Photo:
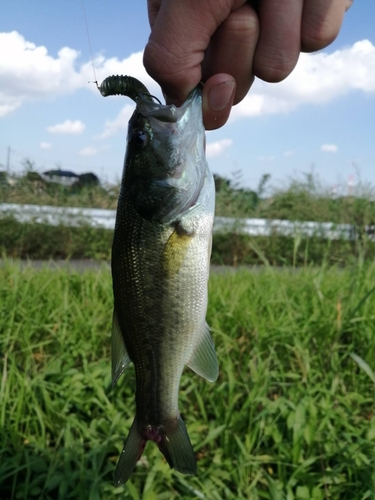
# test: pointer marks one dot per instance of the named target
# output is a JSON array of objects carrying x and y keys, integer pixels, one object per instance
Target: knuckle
[
  {"x": 317, "y": 32},
  {"x": 242, "y": 23},
  {"x": 274, "y": 67}
]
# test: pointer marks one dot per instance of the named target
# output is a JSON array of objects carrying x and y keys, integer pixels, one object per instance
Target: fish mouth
[
  {"x": 180, "y": 127},
  {"x": 168, "y": 113}
]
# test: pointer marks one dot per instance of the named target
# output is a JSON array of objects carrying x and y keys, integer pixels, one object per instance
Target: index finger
[{"x": 181, "y": 32}]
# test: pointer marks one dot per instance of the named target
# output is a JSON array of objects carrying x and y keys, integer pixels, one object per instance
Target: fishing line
[{"x": 88, "y": 38}]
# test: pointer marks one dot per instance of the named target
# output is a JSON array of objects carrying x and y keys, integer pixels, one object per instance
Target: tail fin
[
  {"x": 133, "y": 448},
  {"x": 177, "y": 449},
  {"x": 173, "y": 441}
]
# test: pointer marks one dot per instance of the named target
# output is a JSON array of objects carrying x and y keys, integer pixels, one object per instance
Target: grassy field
[{"x": 292, "y": 415}]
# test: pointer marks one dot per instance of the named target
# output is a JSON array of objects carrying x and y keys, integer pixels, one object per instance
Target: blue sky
[{"x": 322, "y": 117}]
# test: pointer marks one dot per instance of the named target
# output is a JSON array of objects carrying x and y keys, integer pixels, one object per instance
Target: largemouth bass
[{"x": 160, "y": 267}]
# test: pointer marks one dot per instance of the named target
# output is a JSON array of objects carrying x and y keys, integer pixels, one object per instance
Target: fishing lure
[{"x": 124, "y": 85}]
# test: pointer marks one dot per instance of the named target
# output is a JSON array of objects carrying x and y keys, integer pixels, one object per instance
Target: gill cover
[{"x": 163, "y": 165}]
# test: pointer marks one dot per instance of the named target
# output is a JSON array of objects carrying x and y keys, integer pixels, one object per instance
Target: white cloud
[
  {"x": 266, "y": 158},
  {"x": 67, "y": 127},
  {"x": 288, "y": 153},
  {"x": 111, "y": 127},
  {"x": 218, "y": 147},
  {"x": 6, "y": 108},
  {"x": 317, "y": 78},
  {"x": 45, "y": 145},
  {"x": 329, "y": 148},
  {"x": 28, "y": 72},
  {"x": 88, "y": 151}
]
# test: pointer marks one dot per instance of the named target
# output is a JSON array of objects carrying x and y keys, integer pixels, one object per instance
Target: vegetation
[
  {"x": 31, "y": 188},
  {"x": 291, "y": 417},
  {"x": 302, "y": 200},
  {"x": 42, "y": 241}
]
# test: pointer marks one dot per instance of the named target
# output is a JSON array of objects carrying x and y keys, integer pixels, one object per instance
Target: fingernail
[{"x": 220, "y": 95}]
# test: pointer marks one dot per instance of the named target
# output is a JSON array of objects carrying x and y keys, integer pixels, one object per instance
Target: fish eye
[{"x": 140, "y": 138}]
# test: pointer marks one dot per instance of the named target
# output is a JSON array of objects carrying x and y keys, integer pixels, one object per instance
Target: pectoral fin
[
  {"x": 204, "y": 360},
  {"x": 119, "y": 354},
  {"x": 175, "y": 251},
  {"x": 178, "y": 243}
]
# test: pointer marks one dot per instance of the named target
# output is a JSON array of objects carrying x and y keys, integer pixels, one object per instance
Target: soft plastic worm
[{"x": 124, "y": 85}]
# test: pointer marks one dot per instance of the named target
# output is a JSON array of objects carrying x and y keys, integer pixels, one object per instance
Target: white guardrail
[{"x": 254, "y": 227}]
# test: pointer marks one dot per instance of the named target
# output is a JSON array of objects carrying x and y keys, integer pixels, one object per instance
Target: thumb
[{"x": 218, "y": 95}]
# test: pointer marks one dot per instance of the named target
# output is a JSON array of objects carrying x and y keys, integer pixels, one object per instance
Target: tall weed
[{"x": 292, "y": 415}]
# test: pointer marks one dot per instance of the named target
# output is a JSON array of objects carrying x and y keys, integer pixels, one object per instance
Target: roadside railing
[{"x": 95, "y": 217}]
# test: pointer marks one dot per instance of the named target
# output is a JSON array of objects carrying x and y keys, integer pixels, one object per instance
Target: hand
[{"x": 226, "y": 43}]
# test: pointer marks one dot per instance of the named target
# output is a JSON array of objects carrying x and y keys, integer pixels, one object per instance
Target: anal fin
[
  {"x": 119, "y": 354},
  {"x": 204, "y": 360}
]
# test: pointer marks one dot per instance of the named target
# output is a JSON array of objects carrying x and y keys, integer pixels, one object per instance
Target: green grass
[
  {"x": 42, "y": 241},
  {"x": 292, "y": 415}
]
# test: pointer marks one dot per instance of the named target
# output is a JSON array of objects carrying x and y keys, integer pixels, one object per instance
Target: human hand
[{"x": 226, "y": 43}]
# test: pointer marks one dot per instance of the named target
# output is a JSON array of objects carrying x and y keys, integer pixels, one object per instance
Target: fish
[{"x": 160, "y": 269}]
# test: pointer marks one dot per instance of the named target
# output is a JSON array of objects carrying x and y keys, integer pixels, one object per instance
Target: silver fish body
[{"x": 160, "y": 268}]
